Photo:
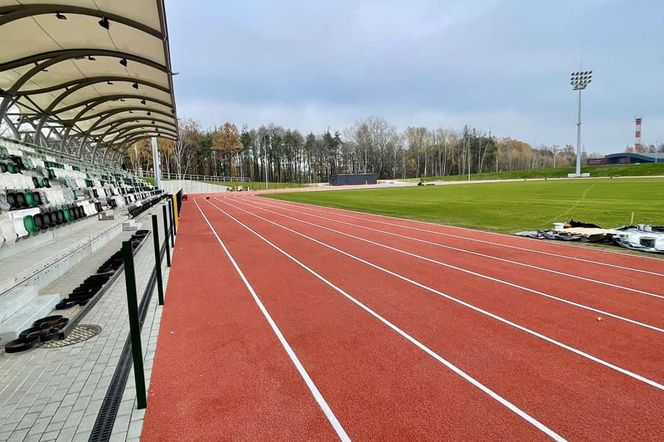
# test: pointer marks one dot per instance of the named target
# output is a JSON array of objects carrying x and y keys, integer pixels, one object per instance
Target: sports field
[
  {"x": 507, "y": 207},
  {"x": 613, "y": 170},
  {"x": 285, "y": 321}
]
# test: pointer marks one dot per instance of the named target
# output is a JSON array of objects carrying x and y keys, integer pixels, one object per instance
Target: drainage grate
[
  {"x": 78, "y": 334},
  {"x": 108, "y": 412}
]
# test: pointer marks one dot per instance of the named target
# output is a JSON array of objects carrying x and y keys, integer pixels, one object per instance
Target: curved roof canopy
[{"x": 98, "y": 71}]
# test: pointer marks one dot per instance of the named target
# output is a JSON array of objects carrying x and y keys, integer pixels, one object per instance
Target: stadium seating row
[{"x": 41, "y": 190}]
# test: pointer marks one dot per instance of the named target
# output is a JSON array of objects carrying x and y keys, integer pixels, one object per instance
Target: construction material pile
[{"x": 641, "y": 237}]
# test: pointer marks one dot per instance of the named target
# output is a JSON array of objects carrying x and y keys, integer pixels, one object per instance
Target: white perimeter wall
[{"x": 188, "y": 186}]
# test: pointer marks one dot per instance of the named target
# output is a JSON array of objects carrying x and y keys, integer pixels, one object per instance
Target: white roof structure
[{"x": 86, "y": 76}]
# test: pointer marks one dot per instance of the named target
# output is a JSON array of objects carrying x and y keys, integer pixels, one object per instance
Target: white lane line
[
  {"x": 531, "y": 420},
  {"x": 470, "y": 272},
  {"x": 468, "y": 305},
  {"x": 468, "y": 238},
  {"x": 458, "y": 249},
  {"x": 338, "y": 428}
]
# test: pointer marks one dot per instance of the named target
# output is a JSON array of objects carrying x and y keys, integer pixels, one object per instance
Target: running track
[{"x": 286, "y": 321}]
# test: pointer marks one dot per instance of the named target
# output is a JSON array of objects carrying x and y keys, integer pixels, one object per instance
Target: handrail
[{"x": 192, "y": 177}]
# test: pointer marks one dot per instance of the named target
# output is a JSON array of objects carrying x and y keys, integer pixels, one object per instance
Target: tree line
[{"x": 370, "y": 145}]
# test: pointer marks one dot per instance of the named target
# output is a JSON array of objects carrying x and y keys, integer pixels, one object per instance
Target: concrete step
[
  {"x": 14, "y": 300},
  {"x": 39, "y": 307}
]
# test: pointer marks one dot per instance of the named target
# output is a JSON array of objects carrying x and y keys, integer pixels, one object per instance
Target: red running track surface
[{"x": 285, "y": 321}]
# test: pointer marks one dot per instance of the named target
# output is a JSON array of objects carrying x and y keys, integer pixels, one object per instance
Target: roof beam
[
  {"x": 116, "y": 123},
  {"x": 9, "y": 14},
  {"x": 105, "y": 98}
]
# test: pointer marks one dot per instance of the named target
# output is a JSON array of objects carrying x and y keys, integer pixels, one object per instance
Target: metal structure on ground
[{"x": 579, "y": 81}]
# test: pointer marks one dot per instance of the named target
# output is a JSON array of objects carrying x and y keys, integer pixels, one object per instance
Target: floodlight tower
[{"x": 579, "y": 81}]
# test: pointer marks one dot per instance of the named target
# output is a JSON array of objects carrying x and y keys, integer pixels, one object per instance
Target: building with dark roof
[{"x": 634, "y": 158}]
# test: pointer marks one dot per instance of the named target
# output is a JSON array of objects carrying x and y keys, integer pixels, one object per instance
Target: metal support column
[
  {"x": 168, "y": 248},
  {"x": 157, "y": 258},
  {"x": 155, "y": 163},
  {"x": 134, "y": 324}
]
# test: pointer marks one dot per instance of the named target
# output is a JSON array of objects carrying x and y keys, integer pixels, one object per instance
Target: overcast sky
[{"x": 496, "y": 65}]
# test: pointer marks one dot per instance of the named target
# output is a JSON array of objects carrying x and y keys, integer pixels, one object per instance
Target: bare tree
[{"x": 185, "y": 146}]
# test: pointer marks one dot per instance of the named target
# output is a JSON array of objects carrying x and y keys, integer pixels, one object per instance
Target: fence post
[
  {"x": 170, "y": 219},
  {"x": 174, "y": 214},
  {"x": 168, "y": 249},
  {"x": 134, "y": 325},
  {"x": 157, "y": 259}
]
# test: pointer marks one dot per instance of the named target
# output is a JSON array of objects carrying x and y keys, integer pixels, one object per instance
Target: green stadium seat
[
  {"x": 30, "y": 225},
  {"x": 68, "y": 215},
  {"x": 30, "y": 199}
]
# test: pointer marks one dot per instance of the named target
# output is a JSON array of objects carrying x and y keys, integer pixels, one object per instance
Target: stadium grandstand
[{"x": 80, "y": 82}]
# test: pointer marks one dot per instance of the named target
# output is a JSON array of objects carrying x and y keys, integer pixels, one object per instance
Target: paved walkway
[{"x": 55, "y": 394}]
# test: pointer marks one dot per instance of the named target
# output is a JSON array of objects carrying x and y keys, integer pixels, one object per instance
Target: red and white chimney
[{"x": 637, "y": 134}]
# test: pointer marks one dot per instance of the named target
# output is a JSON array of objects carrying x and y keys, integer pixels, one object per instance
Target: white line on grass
[
  {"x": 468, "y": 305},
  {"x": 531, "y": 420},
  {"x": 338, "y": 428}
]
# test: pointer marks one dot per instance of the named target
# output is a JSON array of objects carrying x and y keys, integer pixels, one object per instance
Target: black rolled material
[
  {"x": 98, "y": 277},
  {"x": 65, "y": 304},
  {"x": 21, "y": 344},
  {"x": 82, "y": 291},
  {"x": 46, "y": 319},
  {"x": 44, "y": 334},
  {"x": 55, "y": 323},
  {"x": 29, "y": 331}
]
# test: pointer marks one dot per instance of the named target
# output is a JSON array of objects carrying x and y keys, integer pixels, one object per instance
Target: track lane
[
  {"x": 630, "y": 348},
  {"x": 644, "y": 284},
  {"x": 373, "y": 379},
  {"x": 210, "y": 339},
  {"x": 636, "y": 351},
  {"x": 613, "y": 260},
  {"x": 567, "y": 379},
  {"x": 618, "y": 301}
]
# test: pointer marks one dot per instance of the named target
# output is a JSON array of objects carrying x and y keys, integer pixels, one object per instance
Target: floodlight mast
[{"x": 579, "y": 81}]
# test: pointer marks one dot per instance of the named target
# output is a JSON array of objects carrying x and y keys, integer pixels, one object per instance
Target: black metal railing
[{"x": 137, "y": 312}]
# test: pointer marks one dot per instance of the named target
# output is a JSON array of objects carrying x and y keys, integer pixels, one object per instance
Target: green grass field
[
  {"x": 507, "y": 207},
  {"x": 561, "y": 172}
]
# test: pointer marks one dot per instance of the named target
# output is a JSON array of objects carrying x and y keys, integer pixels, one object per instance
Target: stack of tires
[{"x": 42, "y": 330}]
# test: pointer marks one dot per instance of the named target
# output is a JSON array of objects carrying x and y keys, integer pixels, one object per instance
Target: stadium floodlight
[
  {"x": 135, "y": 85},
  {"x": 123, "y": 62},
  {"x": 579, "y": 81},
  {"x": 60, "y": 16}
]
